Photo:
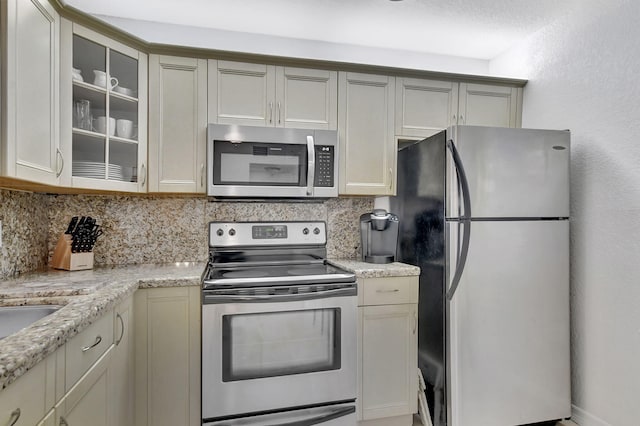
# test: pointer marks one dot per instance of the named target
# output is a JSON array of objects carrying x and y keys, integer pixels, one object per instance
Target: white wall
[
  {"x": 232, "y": 41},
  {"x": 584, "y": 74}
]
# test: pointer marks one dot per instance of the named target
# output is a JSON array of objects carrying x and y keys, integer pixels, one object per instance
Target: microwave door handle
[{"x": 311, "y": 168}]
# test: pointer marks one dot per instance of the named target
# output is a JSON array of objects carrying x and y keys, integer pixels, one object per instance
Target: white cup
[
  {"x": 101, "y": 125},
  {"x": 124, "y": 128},
  {"x": 100, "y": 79}
]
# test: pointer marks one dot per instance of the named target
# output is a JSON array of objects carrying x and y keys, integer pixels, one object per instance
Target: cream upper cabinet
[
  {"x": 424, "y": 107},
  {"x": 387, "y": 351},
  {"x": 177, "y": 124},
  {"x": 268, "y": 95},
  {"x": 490, "y": 105},
  {"x": 167, "y": 330},
  {"x": 103, "y": 111},
  {"x": 31, "y": 92},
  {"x": 366, "y": 132}
]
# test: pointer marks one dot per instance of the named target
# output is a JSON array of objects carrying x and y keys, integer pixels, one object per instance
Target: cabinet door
[
  {"x": 88, "y": 401},
  {"x": 388, "y": 369},
  {"x": 306, "y": 98},
  {"x": 31, "y": 131},
  {"x": 24, "y": 401},
  {"x": 365, "y": 125},
  {"x": 167, "y": 329},
  {"x": 241, "y": 93},
  {"x": 177, "y": 124},
  {"x": 486, "y": 105},
  {"x": 49, "y": 419},
  {"x": 424, "y": 107},
  {"x": 121, "y": 384},
  {"x": 103, "y": 111}
]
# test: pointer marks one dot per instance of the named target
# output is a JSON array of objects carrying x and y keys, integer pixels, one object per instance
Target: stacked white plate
[
  {"x": 121, "y": 173},
  {"x": 88, "y": 169},
  {"x": 93, "y": 170}
]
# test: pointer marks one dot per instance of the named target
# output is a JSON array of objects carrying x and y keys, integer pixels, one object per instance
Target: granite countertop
[
  {"x": 86, "y": 296},
  {"x": 374, "y": 270}
]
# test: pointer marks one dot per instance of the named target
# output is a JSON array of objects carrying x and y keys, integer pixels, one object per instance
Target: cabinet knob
[
  {"x": 202, "y": 174},
  {"x": 15, "y": 416},
  {"x": 61, "y": 168},
  {"x": 270, "y": 112},
  {"x": 96, "y": 343},
  {"x": 122, "y": 332},
  {"x": 144, "y": 174}
]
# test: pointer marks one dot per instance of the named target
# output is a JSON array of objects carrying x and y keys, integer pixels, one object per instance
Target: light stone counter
[
  {"x": 373, "y": 270},
  {"x": 86, "y": 296}
]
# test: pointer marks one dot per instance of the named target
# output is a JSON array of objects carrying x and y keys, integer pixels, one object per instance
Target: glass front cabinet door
[{"x": 103, "y": 111}]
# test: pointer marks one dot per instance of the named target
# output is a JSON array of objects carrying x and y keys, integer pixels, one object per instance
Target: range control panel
[{"x": 230, "y": 234}]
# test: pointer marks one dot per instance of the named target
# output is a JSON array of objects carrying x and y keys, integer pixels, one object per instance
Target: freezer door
[
  {"x": 508, "y": 322},
  {"x": 518, "y": 173}
]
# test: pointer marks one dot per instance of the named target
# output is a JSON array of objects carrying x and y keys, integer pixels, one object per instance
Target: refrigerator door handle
[{"x": 465, "y": 220}]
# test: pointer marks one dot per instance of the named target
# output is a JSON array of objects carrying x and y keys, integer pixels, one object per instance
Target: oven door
[{"x": 276, "y": 352}]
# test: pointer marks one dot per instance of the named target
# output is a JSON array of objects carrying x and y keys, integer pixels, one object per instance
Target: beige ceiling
[{"x": 479, "y": 29}]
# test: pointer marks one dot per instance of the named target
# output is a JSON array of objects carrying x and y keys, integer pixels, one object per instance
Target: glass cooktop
[{"x": 289, "y": 274}]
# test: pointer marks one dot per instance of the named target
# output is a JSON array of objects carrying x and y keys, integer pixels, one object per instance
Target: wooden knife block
[{"x": 64, "y": 259}]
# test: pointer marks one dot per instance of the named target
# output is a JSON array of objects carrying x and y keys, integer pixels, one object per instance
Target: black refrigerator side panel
[{"x": 419, "y": 205}]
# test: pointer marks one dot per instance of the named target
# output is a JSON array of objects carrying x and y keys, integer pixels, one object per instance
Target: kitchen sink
[{"x": 14, "y": 318}]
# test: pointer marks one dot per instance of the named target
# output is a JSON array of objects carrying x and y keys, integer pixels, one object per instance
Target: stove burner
[{"x": 245, "y": 274}]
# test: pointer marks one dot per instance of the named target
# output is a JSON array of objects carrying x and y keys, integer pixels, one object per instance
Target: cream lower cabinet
[
  {"x": 30, "y": 91},
  {"x": 25, "y": 401},
  {"x": 177, "y": 124},
  {"x": 425, "y": 107},
  {"x": 121, "y": 371},
  {"x": 89, "y": 401},
  {"x": 167, "y": 330},
  {"x": 368, "y": 148},
  {"x": 273, "y": 96},
  {"x": 388, "y": 351}
]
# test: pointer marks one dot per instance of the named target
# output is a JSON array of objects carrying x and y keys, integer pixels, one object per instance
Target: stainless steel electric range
[{"x": 278, "y": 328}]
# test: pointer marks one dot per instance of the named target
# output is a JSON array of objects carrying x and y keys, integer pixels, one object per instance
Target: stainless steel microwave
[{"x": 271, "y": 162}]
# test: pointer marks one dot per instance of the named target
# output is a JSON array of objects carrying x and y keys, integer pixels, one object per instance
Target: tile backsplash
[
  {"x": 25, "y": 230},
  {"x": 153, "y": 229},
  {"x": 174, "y": 229}
]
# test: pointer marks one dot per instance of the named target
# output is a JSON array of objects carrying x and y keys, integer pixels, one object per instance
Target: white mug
[
  {"x": 101, "y": 79},
  {"x": 124, "y": 128},
  {"x": 101, "y": 125}
]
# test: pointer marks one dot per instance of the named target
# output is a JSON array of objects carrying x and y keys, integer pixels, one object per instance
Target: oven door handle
[
  {"x": 227, "y": 298},
  {"x": 311, "y": 168},
  {"x": 327, "y": 415}
]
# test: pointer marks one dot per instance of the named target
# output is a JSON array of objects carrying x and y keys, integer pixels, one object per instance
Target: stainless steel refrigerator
[{"x": 484, "y": 212}]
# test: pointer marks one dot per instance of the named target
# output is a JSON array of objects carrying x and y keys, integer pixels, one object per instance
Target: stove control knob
[
  {"x": 305, "y": 231},
  {"x": 316, "y": 231},
  {"x": 232, "y": 232},
  {"x": 219, "y": 232}
]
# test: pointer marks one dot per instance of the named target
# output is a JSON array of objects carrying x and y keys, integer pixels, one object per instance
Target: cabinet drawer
[
  {"x": 25, "y": 398},
  {"x": 84, "y": 350},
  {"x": 388, "y": 291}
]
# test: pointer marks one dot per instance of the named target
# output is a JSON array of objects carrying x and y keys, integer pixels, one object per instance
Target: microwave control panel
[{"x": 324, "y": 166}]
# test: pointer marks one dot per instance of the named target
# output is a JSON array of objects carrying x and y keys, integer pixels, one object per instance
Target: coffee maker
[{"x": 379, "y": 236}]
